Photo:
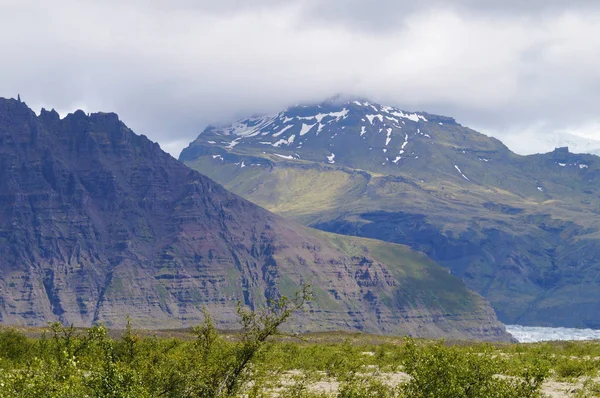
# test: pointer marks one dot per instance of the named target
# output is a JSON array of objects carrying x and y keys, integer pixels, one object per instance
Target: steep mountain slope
[
  {"x": 521, "y": 230},
  {"x": 97, "y": 222}
]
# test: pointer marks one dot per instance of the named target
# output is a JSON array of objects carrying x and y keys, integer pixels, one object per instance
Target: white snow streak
[
  {"x": 410, "y": 116},
  {"x": 461, "y": 173},
  {"x": 284, "y": 141},
  {"x": 283, "y": 130},
  {"x": 233, "y": 143}
]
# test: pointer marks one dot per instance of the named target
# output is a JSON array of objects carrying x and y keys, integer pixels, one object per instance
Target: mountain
[
  {"x": 97, "y": 222},
  {"x": 522, "y": 143},
  {"x": 575, "y": 143},
  {"x": 523, "y": 231}
]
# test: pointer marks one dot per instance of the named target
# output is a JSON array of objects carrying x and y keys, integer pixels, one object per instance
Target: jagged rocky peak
[{"x": 49, "y": 116}]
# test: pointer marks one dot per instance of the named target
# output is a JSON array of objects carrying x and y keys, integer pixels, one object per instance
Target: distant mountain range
[
  {"x": 97, "y": 222},
  {"x": 524, "y": 231},
  {"x": 527, "y": 143},
  {"x": 576, "y": 144}
]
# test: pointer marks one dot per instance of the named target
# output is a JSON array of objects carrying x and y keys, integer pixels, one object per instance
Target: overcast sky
[{"x": 521, "y": 70}]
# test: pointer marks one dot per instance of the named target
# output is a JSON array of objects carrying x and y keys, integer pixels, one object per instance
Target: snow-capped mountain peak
[
  {"x": 295, "y": 125},
  {"x": 355, "y": 133}
]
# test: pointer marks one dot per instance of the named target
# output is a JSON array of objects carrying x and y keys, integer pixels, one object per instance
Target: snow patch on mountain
[
  {"x": 389, "y": 136},
  {"x": 289, "y": 141},
  {"x": 233, "y": 143},
  {"x": 410, "y": 116},
  {"x": 461, "y": 173},
  {"x": 405, "y": 141},
  {"x": 283, "y": 130},
  {"x": 373, "y": 117},
  {"x": 423, "y": 134},
  {"x": 306, "y": 128},
  {"x": 297, "y": 128}
]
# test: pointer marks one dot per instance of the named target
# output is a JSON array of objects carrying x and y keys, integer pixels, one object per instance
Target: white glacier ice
[{"x": 532, "y": 334}]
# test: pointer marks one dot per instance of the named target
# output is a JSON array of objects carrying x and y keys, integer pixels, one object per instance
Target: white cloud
[{"x": 169, "y": 68}]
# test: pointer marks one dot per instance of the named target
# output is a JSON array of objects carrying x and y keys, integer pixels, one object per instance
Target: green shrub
[
  {"x": 440, "y": 371},
  {"x": 14, "y": 346},
  {"x": 572, "y": 368}
]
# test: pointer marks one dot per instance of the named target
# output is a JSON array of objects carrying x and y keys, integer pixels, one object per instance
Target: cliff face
[{"x": 97, "y": 222}]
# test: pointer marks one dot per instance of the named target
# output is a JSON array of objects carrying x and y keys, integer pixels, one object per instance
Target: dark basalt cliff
[{"x": 97, "y": 222}]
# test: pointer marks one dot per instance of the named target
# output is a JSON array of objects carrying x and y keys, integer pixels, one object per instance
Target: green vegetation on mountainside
[{"x": 523, "y": 231}]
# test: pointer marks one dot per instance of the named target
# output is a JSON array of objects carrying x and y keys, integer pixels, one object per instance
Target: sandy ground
[
  {"x": 551, "y": 388},
  {"x": 557, "y": 389}
]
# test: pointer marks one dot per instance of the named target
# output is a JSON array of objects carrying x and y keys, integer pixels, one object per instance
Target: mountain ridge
[
  {"x": 521, "y": 230},
  {"x": 97, "y": 222}
]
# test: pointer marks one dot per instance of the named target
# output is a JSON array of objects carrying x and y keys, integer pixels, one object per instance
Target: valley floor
[{"x": 92, "y": 362}]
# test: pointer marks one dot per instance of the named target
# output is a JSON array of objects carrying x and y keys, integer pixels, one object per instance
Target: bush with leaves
[
  {"x": 441, "y": 371},
  {"x": 68, "y": 362}
]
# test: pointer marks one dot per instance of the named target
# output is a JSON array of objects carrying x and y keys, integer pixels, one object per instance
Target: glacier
[{"x": 533, "y": 334}]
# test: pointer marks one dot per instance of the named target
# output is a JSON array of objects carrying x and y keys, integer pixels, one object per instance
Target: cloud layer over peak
[{"x": 171, "y": 67}]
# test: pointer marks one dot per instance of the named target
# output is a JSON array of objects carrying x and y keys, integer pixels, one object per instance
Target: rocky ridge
[{"x": 97, "y": 222}]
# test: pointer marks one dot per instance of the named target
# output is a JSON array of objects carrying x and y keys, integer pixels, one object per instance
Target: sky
[{"x": 525, "y": 71}]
